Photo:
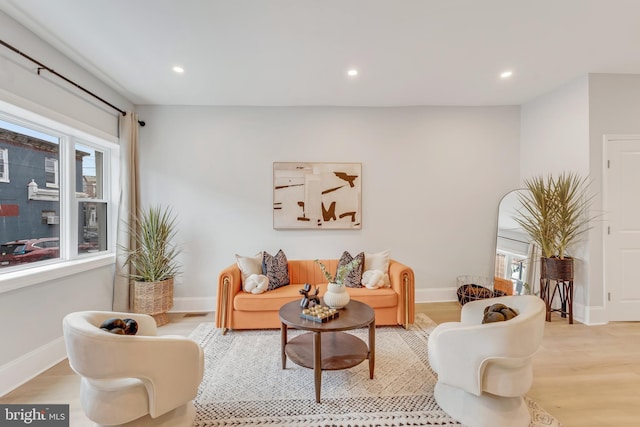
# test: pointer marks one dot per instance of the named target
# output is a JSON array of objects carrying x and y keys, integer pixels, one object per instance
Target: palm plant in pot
[
  {"x": 152, "y": 261},
  {"x": 555, "y": 214}
]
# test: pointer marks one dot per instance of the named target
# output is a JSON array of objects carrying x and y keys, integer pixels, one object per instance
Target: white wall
[
  {"x": 432, "y": 180},
  {"x": 32, "y": 339},
  {"x": 555, "y": 131},
  {"x": 614, "y": 108},
  {"x": 564, "y": 130},
  {"x": 32, "y": 316},
  {"x": 555, "y": 138},
  {"x": 20, "y": 83}
]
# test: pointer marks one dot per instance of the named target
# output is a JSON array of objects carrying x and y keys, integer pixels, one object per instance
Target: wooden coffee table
[{"x": 326, "y": 347}]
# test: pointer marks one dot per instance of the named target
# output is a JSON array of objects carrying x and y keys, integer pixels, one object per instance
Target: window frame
[
  {"x": 4, "y": 159},
  {"x": 70, "y": 261},
  {"x": 56, "y": 174}
]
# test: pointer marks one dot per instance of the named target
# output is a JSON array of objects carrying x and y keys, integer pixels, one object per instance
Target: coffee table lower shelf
[{"x": 339, "y": 350}]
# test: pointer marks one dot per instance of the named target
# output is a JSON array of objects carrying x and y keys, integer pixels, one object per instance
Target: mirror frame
[{"x": 511, "y": 237}]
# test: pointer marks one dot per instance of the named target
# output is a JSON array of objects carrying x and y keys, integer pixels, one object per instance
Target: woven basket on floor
[
  {"x": 154, "y": 298},
  {"x": 473, "y": 288}
]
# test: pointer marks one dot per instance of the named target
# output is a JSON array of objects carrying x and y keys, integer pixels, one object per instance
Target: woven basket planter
[
  {"x": 556, "y": 268},
  {"x": 153, "y": 298}
]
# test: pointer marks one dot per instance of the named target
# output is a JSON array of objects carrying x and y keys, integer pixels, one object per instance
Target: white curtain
[
  {"x": 129, "y": 204},
  {"x": 499, "y": 269},
  {"x": 533, "y": 265}
]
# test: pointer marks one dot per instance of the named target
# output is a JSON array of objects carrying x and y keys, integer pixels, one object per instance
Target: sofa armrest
[
  {"x": 229, "y": 284},
  {"x": 402, "y": 282}
]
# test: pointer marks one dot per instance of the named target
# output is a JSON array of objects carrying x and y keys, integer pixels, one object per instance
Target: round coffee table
[{"x": 326, "y": 346}]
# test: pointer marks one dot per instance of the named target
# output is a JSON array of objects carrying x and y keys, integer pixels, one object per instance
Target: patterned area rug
[{"x": 244, "y": 383}]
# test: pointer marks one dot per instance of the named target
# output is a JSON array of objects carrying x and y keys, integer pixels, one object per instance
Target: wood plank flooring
[{"x": 585, "y": 376}]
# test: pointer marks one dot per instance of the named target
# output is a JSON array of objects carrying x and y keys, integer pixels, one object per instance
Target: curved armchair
[
  {"x": 485, "y": 369},
  {"x": 133, "y": 380}
]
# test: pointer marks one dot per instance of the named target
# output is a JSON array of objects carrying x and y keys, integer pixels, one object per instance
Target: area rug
[{"x": 244, "y": 383}]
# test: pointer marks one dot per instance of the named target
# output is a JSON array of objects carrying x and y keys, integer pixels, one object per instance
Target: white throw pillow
[
  {"x": 249, "y": 265},
  {"x": 377, "y": 261},
  {"x": 256, "y": 283},
  {"x": 374, "y": 279}
]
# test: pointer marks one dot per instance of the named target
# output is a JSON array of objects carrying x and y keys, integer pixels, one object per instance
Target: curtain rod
[{"x": 41, "y": 67}]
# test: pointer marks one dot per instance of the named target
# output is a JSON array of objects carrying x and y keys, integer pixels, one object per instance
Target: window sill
[{"x": 35, "y": 275}]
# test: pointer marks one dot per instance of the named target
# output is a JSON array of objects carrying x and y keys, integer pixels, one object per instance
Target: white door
[{"x": 621, "y": 200}]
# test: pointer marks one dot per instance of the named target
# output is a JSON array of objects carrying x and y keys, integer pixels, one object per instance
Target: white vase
[{"x": 336, "y": 296}]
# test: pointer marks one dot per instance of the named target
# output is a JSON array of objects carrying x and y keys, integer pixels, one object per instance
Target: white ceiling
[{"x": 297, "y": 52}]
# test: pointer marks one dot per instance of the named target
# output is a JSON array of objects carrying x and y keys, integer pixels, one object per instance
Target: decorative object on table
[
  {"x": 153, "y": 257},
  {"x": 317, "y": 195},
  {"x": 309, "y": 301},
  {"x": 555, "y": 214},
  {"x": 337, "y": 295},
  {"x": 120, "y": 326},
  {"x": 320, "y": 314}
]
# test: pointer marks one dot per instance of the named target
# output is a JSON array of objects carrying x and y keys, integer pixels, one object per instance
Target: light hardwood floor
[{"x": 585, "y": 376}]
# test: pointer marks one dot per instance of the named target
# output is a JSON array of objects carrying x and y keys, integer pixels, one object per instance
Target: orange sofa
[{"x": 237, "y": 309}]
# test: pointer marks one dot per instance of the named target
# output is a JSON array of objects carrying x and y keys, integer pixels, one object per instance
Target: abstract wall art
[{"x": 317, "y": 195}]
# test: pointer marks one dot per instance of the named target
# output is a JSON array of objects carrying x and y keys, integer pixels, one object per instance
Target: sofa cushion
[
  {"x": 256, "y": 284},
  {"x": 273, "y": 300},
  {"x": 377, "y": 261},
  {"x": 275, "y": 267},
  {"x": 353, "y": 278},
  {"x": 249, "y": 265},
  {"x": 374, "y": 279}
]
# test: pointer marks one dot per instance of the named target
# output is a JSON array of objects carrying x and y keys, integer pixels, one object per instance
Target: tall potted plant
[
  {"x": 152, "y": 261},
  {"x": 555, "y": 213}
]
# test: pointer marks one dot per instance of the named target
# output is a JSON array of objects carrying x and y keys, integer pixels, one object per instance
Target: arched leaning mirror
[{"x": 513, "y": 245}]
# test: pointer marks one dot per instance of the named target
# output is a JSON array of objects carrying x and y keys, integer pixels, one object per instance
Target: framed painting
[{"x": 317, "y": 195}]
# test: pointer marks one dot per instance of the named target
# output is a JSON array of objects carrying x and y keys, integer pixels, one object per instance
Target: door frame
[{"x": 607, "y": 139}]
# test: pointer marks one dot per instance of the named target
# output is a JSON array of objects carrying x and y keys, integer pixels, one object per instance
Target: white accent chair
[
  {"x": 133, "y": 380},
  {"x": 485, "y": 369}
]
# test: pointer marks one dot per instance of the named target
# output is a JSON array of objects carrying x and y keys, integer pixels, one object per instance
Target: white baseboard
[
  {"x": 193, "y": 305},
  {"x": 436, "y": 295},
  {"x": 28, "y": 366},
  {"x": 593, "y": 315}
]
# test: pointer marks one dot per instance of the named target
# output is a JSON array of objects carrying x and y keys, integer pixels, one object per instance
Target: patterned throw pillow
[
  {"x": 353, "y": 279},
  {"x": 276, "y": 269}
]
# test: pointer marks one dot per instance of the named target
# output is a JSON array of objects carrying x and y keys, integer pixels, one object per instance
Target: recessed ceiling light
[
  {"x": 506, "y": 74},
  {"x": 352, "y": 72},
  {"x": 178, "y": 69}
]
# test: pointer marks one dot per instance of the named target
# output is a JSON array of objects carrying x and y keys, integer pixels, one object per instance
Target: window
[
  {"x": 4, "y": 165},
  {"x": 51, "y": 172},
  {"x": 57, "y": 206},
  {"x": 92, "y": 207},
  {"x": 30, "y": 221}
]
